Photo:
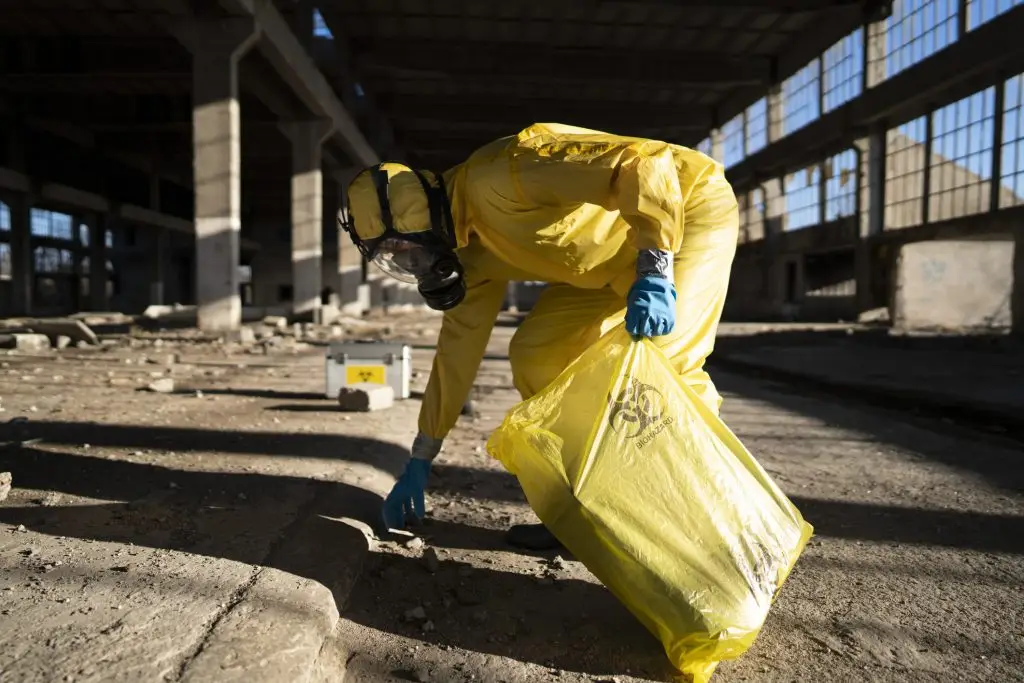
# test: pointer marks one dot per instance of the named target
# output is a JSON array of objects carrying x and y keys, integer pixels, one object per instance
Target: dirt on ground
[
  {"x": 916, "y": 572},
  {"x": 140, "y": 523}
]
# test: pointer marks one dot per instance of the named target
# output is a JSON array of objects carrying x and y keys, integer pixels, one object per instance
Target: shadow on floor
[
  {"x": 836, "y": 519},
  {"x": 386, "y": 456},
  {"x": 325, "y": 407},
  {"x": 944, "y": 443},
  {"x": 233, "y": 516},
  {"x": 569, "y": 624},
  {"x": 269, "y": 393}
]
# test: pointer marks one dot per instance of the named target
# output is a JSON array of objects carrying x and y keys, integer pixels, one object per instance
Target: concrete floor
[{"x": 217, "y": 536}]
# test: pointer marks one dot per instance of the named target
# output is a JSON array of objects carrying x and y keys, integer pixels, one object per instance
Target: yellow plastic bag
[{"x": 652, "y": 492}]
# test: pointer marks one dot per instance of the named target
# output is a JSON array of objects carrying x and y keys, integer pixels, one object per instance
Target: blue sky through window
[
  {"x": 320, "y": 29},
  {"x": 981, "y": 11},
  {"x": 963, "y": 132}
]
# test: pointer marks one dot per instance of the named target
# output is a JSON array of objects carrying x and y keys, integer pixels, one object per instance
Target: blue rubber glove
[
  {"x": 407, "y": 495},
  {"x": 651, "y": 307}
]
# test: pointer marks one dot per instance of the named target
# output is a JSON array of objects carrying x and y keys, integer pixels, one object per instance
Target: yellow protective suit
[{"x": 572, "y": 207}]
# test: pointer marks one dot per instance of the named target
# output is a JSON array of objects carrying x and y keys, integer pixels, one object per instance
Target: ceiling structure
[
  {"x": 436, "y": 78},
  {"x": 450, "y": 75}
]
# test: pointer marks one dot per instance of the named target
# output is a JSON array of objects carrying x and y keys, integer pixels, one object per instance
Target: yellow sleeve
[
  {"x": 640, "y": 179},
  {"x": 645, "y": 190},
  {"x": 465, "y": 332}
]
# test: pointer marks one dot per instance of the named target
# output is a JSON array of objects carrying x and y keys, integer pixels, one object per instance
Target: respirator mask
[{"x": 426, "y": 258}]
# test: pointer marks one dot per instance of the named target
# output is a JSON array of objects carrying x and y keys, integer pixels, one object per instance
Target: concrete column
[
  {"x": 776, "y": 113},
  {"x": 98, "y": 225},
  {"x": 926, "y": 180},
  {"x": 158, "y": 275},
  {"x": 876, "y": 180},
  {"x": 307, "y": 213},
  {"x": 331, "y": 259},
  {"x": 872, "y": 208},
  {"x": 996, "y": 183},
  {"x": 22, "y": 265},
  {"x": 217, "y": 47},
  {"x": 717, "y": 144},
  {"x": 875, "y": 38},
  {"x": 774, "y": 226},
  {"x": 354, "y": 292}
]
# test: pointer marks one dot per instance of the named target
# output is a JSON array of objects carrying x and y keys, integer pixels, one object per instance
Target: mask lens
[{"x": 403, "y": 260}]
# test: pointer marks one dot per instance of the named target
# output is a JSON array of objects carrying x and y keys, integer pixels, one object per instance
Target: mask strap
[
  {"x": 440, "y": 207},
  {"x": 447, "y": 207},
  {"x": 380, "y": 181}
]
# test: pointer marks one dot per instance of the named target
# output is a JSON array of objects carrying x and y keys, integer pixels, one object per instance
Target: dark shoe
[{"x": 532, "y": 537}]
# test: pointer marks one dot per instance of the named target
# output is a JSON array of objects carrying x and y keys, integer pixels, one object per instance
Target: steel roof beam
[{"x": 516, "y": 63}]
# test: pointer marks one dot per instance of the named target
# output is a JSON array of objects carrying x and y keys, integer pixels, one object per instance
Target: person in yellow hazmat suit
[{"x": 624, "y": 230}]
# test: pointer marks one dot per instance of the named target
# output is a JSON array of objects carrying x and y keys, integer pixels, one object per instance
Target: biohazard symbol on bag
[
  {"x": 637, "y": 408},
  {"x": 647, "y": 487}
]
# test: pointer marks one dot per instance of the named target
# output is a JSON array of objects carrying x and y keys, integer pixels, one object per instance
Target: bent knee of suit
[{"x": 530, "y": 371}]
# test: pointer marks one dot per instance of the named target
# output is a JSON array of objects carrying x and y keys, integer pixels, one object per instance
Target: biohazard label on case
[{"x": 365, "y": 374}]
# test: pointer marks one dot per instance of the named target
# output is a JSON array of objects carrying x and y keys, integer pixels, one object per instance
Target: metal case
[{"x": 349, "y": 363}]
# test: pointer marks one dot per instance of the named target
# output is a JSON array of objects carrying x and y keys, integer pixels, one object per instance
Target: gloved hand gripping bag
[{"x": 657, "y": 497}]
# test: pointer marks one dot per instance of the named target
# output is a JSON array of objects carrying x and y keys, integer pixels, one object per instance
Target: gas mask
[{"x": 425, "y": 258}]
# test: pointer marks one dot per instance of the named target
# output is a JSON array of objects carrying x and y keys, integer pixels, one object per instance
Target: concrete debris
[
  {"x": 431, "y": 561},
  {"x": 414, "y": 543},
  {"x": 22, "y": 529},
  {"x": 558, "y": 563},
  {"x": 365, "y": 398},
  {"x": 25, "y": 342},
  {"x": 428, "y": 627},
  {"x": 6, "y": 480},
  {"x": 277, "y": 322},
  {"x": 63, "y": 341},
  {"x": 76, "y": 330},
  {"x": 157, "y": 311},
  {"x": 162, "y": 386},
  {"x": 416, "y": 614},
  {"x": 244, "y": 335}
]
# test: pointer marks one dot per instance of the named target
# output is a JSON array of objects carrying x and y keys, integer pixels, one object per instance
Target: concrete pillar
[
  {"x": 717, "y": 144},
  {"x": 776, "y": 114},
  {"x": 774, "y": 226},
  {"x": 995, "y": 184},
  {"x": 217, "y": 47},
  {"x": 158, "y": 274},
  {"x": 22, "y": 265},
  {"x": 872, "y": 219},
  {"x": 875, "y": 37},
  {"x": 876, "y": 180},
  {"x": 307, "y": 213},
  {"x": 354, "y": 292},
  {"x": 331, "y": 258},
  {"x": 98, "y": 225}
]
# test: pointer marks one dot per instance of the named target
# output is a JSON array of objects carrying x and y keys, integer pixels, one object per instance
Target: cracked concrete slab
[{"x": 183, "y": 537}]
